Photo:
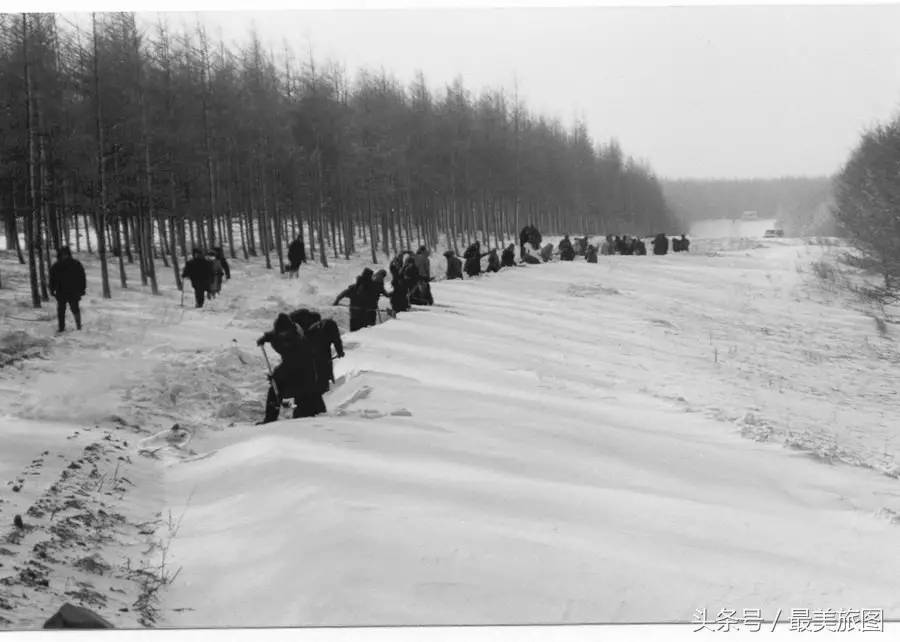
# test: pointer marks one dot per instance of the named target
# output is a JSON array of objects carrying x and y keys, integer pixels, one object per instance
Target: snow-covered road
[{"x": 557, "y": 443}]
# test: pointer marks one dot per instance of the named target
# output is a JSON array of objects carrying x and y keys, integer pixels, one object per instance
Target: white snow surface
[
  {"x": 718, "y": 228},
  {"x": 620, "y": 442}
]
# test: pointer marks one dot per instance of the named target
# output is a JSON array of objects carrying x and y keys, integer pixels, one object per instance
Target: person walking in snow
[
  {"x": 199, "y": 271},
  {"x": 454, "y": 265},
  {"x": 508, "y": 257},
  {"x": 215, "y": 285},
  {"x": 220, "y": 255},
  {"x": 67, "y": 285},
  {"x": 296, "y": 256},
  {"x": 295, "y": 377},
  {"x": 590, "y": 254}
]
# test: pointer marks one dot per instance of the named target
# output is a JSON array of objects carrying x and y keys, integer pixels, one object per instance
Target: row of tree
[
  {"x": 867, "y": 203},
  {"x": 152, "y": 141}
]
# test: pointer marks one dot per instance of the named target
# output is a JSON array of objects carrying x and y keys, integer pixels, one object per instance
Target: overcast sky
[{"x": 720, "y": 91}]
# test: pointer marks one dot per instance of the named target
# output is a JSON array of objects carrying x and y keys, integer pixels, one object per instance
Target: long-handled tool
[
  {"x": 182, "y": 295},
  {"x": 271, "y": 374}
]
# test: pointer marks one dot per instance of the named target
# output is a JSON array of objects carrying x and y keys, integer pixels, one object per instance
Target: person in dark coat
[
  {"x": 324, "y": 334},
  {"x": 454, "y": 265},
  {"x": 493, "y": 261},
  {"x": 660, "y": 244},
  {"x": 399, "y": 295},
  {"x": 296, "y": 256},
  {"x": 566, "y": 251},
  {"x": 590, "y": 254},
  {"x": 295, "y": 377},
  {"x": 508, "y": 258},
  {"x": 529, "y": 234},
  {"x": 218, "y": 273},
  {"x": 67, "y": 285},
  {"x": 640, "y": 247},
  {"x": 200, "y": 272},
  {"x": 362, "y": 305},
  {"x": 220, "y": 255},
  {"x": 420, "y": 291},
  {"x": 680, "y": 245},
  {"x": 473, "y": 258},
  {"x": 423, "y": 264}
]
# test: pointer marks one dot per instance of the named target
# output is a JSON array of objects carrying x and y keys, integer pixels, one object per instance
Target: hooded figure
[
  {"x": 200, "y": 272},
  {"x": 508, "y": 258},
  {"x": 493, "y": 261},
  {"x": 323, "y": 335},
  {"x": 363, "y": 301},
  {"x": 473, "y": 256},
  {"x": 529, "y": 234},
  {"x": 296, "y": 256},
  {"x": 660, "y": 244},
  {"x": 454, "y": 265},
  {"x": 67, "y": 285},
  {"x": 295, "y": 377},
  {"x": 566, "y": 251}
]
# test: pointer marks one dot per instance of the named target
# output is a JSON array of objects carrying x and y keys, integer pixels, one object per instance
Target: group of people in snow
[
  {"x": 410, "y": 285},
  {"x": 206, "y": 273},
  {"x": 567, "y": 249},
  {"x": 304, "y": 341}
]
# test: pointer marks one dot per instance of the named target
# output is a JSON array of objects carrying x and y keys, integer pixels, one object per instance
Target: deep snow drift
[{"x": 554, "y": 443}]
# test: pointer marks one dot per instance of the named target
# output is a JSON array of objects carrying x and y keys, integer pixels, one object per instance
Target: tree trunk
[
  {"x": 31, "y": 240},
  {"x": 101, "y": 215}
]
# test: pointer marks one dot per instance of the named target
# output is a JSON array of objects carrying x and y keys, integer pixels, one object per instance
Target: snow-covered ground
[{"x": 618, "y": 442}]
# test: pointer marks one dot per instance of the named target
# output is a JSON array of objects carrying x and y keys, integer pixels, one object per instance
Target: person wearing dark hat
[{"x": 67, "y": 285}]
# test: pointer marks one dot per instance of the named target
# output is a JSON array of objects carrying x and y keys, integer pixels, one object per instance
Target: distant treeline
[
  {"x": 802, "y": 206},
  {"x": 160, "y": 140}
]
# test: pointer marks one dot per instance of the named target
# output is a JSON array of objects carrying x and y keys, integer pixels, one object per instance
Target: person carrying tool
[{"x": 295, "y": 377}]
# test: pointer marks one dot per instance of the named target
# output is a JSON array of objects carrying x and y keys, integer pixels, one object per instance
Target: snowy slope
[{"x": 555, "y": 443}]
